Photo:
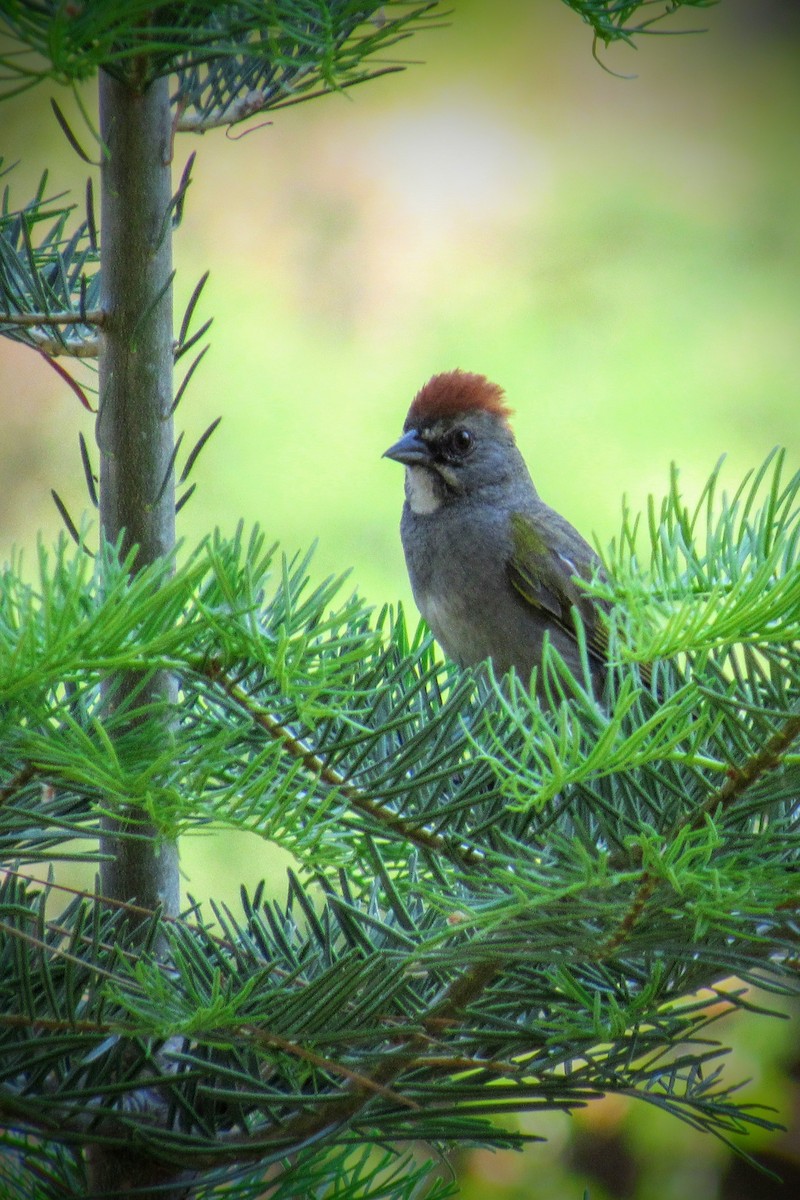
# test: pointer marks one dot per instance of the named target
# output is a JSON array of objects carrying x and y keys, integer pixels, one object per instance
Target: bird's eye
[{"x": 460, "y": 442}]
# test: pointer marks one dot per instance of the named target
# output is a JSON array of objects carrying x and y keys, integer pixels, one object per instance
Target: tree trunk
[
  {"x": 137, "y": 493},
  {"x": 134, "y": 422}
]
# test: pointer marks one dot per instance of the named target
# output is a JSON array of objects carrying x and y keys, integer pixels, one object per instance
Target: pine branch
[
  {"x": 226, "y": 50},
  {"x": 341, "y": 1109},
  {"x": 95, "y": 317},
  {"x": 741, "y": 778},
  {"x": 242, "y": 108},
  {"x": 738, "y": 781},
  {"x": 329, "y": 42},
  {"x": 49, "y": 283},
  {"x": 611, "y": 20},
  {"x": 84, "y": 348},
  {"x": 383, "y": 817}
]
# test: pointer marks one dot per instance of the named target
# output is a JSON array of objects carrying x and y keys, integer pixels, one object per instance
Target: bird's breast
[{"x": 453, "y": 626}]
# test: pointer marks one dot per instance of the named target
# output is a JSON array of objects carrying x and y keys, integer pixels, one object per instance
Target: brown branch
[
  {"x": 227, "y": 114},
  {"x": 64, "y": 1025},
  {"x": 54, "y": 347},
  {"x": 297, "y": 1130},
  {"x": 317, "y": 766},
  {"x": 490, "y": 1066},
  {"x": 738, "y": 781},
  {"x": 223, "y": 1035},
  {"x": 265, "y": 1038},
  {"x": 242, "y": 1147},
  {"x": 69, "y": 347},
  {"x": 93, "y": 316},
  {"x": 412, "y": 1051},
  {"x": 647, "y": 886}
]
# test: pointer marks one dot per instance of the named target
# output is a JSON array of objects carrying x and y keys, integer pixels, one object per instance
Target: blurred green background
[{"x": 621, "y": 254}]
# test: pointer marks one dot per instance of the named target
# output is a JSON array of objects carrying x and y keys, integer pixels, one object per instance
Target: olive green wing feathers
[{"x": 545, "y": 577}]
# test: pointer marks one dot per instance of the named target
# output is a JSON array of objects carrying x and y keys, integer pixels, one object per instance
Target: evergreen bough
[{"x": 496, "y": 906}]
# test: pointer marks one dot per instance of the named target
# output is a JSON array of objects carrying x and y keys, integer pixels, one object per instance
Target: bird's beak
[{"x": 411, "y": 449}]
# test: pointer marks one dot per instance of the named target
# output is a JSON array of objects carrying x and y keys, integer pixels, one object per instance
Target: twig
[
  {"x": 225, "y": 1034},
  {"x": 256, "y": 101},
  {"x": 56, "y": 951},
  {"x": 92, "y": 316},
  {"x": 70, "y": 347},
  {"x": 738, "y": 781},
  {"x": 227, "y": 114},
  {"x": 305, "y": 1126},
  {"x": 328, "y": 774}
]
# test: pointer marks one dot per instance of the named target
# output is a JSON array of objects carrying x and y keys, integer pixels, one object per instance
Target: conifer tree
[{"x": 498, "y": 905}]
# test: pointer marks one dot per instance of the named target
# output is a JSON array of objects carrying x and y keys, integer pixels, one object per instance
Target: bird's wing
[{"x": 545, "y": 578}]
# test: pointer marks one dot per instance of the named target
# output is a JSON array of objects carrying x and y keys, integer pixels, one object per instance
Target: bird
[{"x": 493, "y": 569}]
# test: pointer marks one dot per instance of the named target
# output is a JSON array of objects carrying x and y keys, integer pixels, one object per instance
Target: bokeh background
[{"x": 619, "y": 248}]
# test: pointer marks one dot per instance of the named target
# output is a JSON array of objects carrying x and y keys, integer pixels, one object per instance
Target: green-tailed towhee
[{"x": 492, "y": 567}]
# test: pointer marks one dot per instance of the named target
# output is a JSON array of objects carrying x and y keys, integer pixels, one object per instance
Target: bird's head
[{"x": 456, "y": 440}]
